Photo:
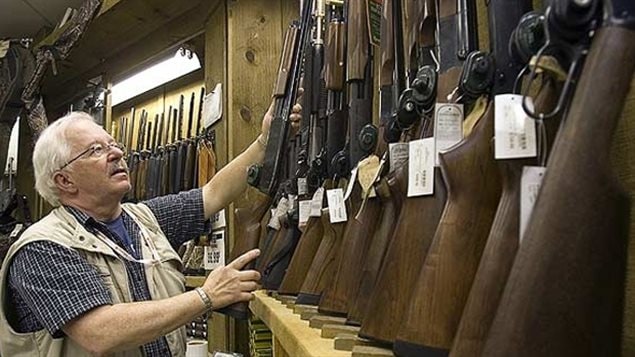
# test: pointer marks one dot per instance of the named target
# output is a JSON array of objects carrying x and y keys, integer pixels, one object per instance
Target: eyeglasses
[{"x": 95, "y": 151}]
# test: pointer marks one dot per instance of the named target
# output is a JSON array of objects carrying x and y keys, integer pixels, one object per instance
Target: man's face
[{"x": 100, "y": 171}]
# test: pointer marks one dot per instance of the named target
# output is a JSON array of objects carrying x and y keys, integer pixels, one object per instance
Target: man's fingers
[
  {"x": 249, "y": 275},
  {"x": 248, "y": 286},
  {"x": 244, "y": 259},
  {"x": 300, "y": 92}
]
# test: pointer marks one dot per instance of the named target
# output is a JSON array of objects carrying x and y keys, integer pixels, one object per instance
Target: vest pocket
[{"x": 109, "y": 281}]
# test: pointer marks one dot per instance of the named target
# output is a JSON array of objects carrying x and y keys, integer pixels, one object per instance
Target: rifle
[
  {"x": 313, "y": 145},
  {"x": 390, "y": 190},
  {"x": 473, "y": 194},
  {"x": 409, "y": 243},
  {"x": 564, "y": 276},
  {"x": 322, "y": 270},
  {"x": 151, "y": 175},
  {"x": 362, "y": 141},
  {"x": 143, "y": 161},
  {"x": 265, "y": 177},
  {"x": 334, "y": 83},
  {"x": 173, "y": 156},
  {"x": 190, "y": 154},
  {"x": 165, "y": 154},
  {"x": 503, "y": 239},
  {"x": 181, "y": 154}
]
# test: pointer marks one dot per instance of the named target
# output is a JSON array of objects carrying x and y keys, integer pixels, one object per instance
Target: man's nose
[{"x": 115, "y": 153}]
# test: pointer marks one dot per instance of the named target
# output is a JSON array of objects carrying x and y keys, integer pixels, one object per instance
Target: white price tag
[
  {"x": 421, "y": 167},
  {"x": 337, "y": 209},
  {"x": 303, "y": 188},
  {"x": 398, "y": 155},
  {"x": 16, "y": 230},
  {"x": 213, "y": 106},
  {"x": 316, "y": 203},
  {"x": 291, "y": 202},
  {"x": 351, "y": 183},
  {"x": 214, "y": 253},
  {"x": 4, "y": 48},
  {"x": 218, "y": 220},
  {"x": 530, "y": 183},
  {"x": 448, "y": 127},
  {"x": 304, "y": 211},
  {"x": 514, "y": 131},
  {"x": 280, "y": 210}
]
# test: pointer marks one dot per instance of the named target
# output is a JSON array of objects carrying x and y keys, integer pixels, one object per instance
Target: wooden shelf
[
  {"x": 194, "y": 281},
  {"x": 290, "y": 332}
]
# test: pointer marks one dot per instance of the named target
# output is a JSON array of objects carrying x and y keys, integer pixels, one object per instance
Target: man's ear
[{"x": 64, "y": 182}]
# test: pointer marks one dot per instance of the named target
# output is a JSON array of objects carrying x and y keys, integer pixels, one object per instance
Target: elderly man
[{"x": 99, "y": 277}]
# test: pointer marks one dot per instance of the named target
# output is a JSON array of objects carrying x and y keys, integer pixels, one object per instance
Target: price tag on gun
[
  {"x": 421, "y": 167},
  {"x": 514, "y": 131},
  {"x": 214, "y": 253}
]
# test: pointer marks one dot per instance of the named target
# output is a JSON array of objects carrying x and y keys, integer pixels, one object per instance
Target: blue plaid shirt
[{"x": 49, "y": 285}]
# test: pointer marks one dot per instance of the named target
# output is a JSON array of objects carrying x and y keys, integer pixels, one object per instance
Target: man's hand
[
  {"x": 228, "y": 285},
  {"x": 295, "y": 117}
]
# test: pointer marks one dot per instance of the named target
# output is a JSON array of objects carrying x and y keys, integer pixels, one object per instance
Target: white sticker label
[
  {"x": 448, "y": 127},
  {"x": 421, "y": 167},
  {"x": 398, "y": 155},
  {"x": 304, "y": 211},
  {"x": 303, "y": 188},
  {"x": 530, "y": 184},
  {"x": 218, "y": 220},
  {"x": 316, "y": 203},
  {"x": 337, "y": 209},
  {"x": 214, "y": 253},
  {"x": 514, "y": 131},
  {"x": 351, "y": 183}
]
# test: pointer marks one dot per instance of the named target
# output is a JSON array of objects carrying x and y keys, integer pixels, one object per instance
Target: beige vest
[{"x": 164, "y": 280}]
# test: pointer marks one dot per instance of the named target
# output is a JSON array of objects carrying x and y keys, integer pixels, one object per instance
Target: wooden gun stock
[
  {"x": 500, "y": 250},
  {"x": 323, "y": 268},
  {"x": 408, "y": 246},
  {"x": 301, "y": 261},
  {"x": 247, "y": 238},
  {"x": 355, "y": 244},
  {"x": 391, "y": 191},
  {"x": 444, "y": 282},
  {"x": 565, "y": 292}
]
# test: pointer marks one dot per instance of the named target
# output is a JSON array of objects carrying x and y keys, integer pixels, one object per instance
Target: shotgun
[
  {"x": 474, "y": 189},
  {"x": 564, "y": 295},
  {"x": 362, "y": 141},
  {"x": 322, "y": 270},
  {"x": 503, "y": 239},
  {"x": 312, "y": 235},
  {"x": 409, "y": 242},
  {"x": 181, "y": 155},
  {"x": 190, "y": 153},
  {"x": 173, "y": 155},
  {"x": 266, "y": 178}
]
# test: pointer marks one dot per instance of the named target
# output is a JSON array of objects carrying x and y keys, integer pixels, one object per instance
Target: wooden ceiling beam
[{"x": 119, "y": 60}]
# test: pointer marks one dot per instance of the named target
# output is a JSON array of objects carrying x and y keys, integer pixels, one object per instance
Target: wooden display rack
[
  {"x": 294, "y": 336},
  {"x": 291, "y": 335}
]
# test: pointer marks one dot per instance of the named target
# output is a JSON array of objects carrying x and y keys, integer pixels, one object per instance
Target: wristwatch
[{"x": 206, "y": 300}]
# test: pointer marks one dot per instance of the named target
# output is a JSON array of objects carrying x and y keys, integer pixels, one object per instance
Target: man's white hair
[{"x": 52, "y": 151}]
